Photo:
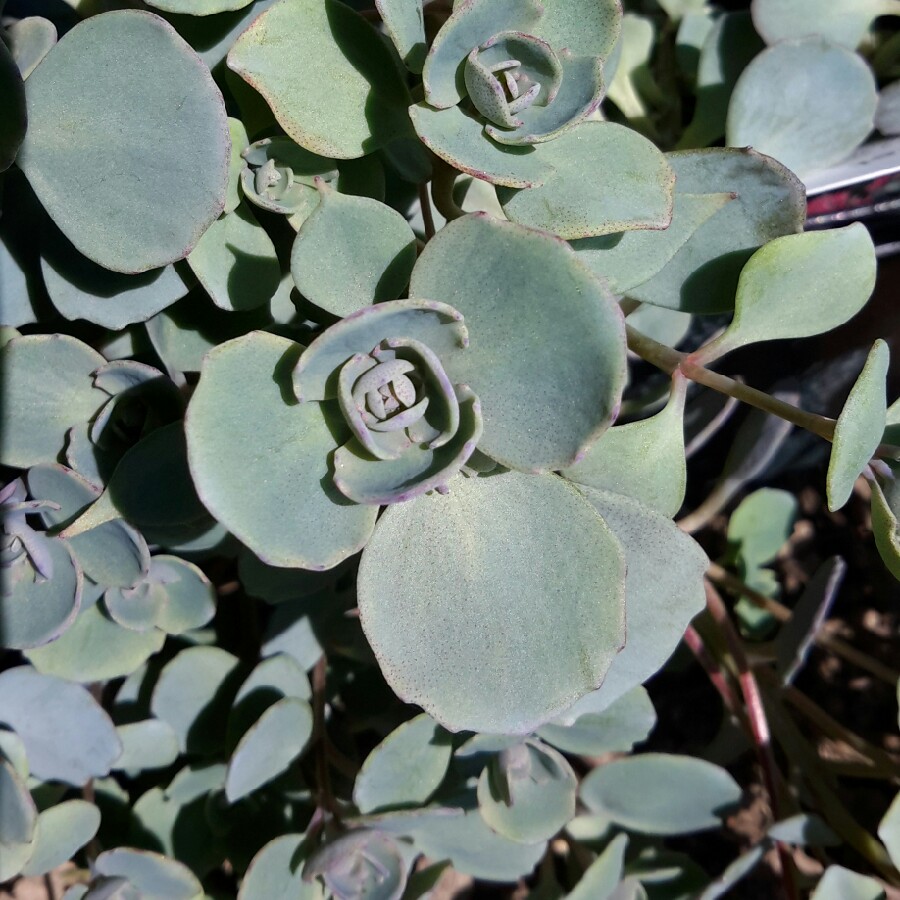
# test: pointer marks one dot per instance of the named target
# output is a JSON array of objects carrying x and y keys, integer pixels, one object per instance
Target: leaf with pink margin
[
  {"x": 525, "y": 296},
  {"x": 459, "y": 139},
  {"x": 437, "y": 325},
  {"x": 418, "y": 470}
]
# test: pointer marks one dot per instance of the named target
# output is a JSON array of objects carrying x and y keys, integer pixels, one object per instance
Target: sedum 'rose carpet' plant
[{"x": 349, "y": 382}]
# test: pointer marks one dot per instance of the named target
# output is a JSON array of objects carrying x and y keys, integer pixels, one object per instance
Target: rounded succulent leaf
[
  {"x": 406, "y": 768},
  {"x": 67, "y": 734},
  {"x": 658, "y": 793},
  {"x": 843, "y": 21},
  {"x": 352, "y": 252},
  {"x": 60, "y": 832},
  {"x": 140, "y": 170},
  {"x": 82, "y": 289},
  {"x": 405, "y": 24},
  {"x": 47, "y": 387},
  {"x": 260, "y": 460},
  {"x": 859, "y": 427},
  {"x": 96, "y": 648},
  {"x": 274, "y": 872},
  {"x": 199, "y": 7},
  {"x": 663, "y": 587},
  {"x": 190, "y": 598},
  {"x": 30, "y": 40},
  {"x": 149, "y": 744},
  {"x": 443, "y": 576},
  {"x": 634, "y": 187},
  {"x": 824, "y": 117},
  {"x": 34, "y": 609},
  {"x": 527, "y": 792},
  {"x": 525, "y": 295},
  {"x": 702, "y": 276},
  {"x": 603, "y": 876},
  {"x": 458, "y": 138},
  {"x": 327, "y": 75},
  {"x": 235, "y": 261},
  {"x": 155, "y": 877}
]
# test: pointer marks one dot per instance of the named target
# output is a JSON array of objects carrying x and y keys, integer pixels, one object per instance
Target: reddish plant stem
[
  {"x": 326, "y": 799},
  {"x": 759, "y": 725},
  {"x": 713, "y": 670}
]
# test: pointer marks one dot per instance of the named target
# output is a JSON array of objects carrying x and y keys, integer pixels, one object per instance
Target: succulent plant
[{"x": 333, "y": 398}]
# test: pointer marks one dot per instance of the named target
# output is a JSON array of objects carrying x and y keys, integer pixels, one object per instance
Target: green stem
[
  {"x": 442, "y": 183},
  {"x": 669, "y": 360},
  {"x": 427, "y": 217}
]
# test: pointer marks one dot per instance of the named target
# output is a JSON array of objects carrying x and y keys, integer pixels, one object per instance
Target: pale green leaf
[
  {"x": 889, "y": 830},
  {"x": 30, "y": 40},
  {"x": 859, "y": 427},
  {"x": 661, "y": 794},
  {"x": 139, "y": 171},
  {"x": 827, "y": 113},
  {"x": 406, "y": 768},
  {"x": 800, "y": 285},
  {"x": 525, "y": 532},
  {"x": 327, "y": 74},
  {"x": 277, "y": 871},
  {"x": 260, "y": 460},
  {"x": 352, "y": 252},
  {"x": 839, "y": 883},
  {"x": 702, "y": 276},
  {"x": 541, "y": 408},
  {"x": 15, "y": 117},
  {"x": 154, "y": 876},
  {"x": 60, "y": 832},
  {"x": 644, "y": 460},
  {"x": 405, "y": 24},
  {"x": 603, "y": 874},
  {"x": 633, "y": 187},
  {"x": 18, "y": 819},
  {"x": 149, "y": 744},
  {"x": 843, "y": 21}
]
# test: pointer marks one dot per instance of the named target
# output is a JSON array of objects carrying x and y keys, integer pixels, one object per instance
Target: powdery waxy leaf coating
[
  {"x": 18, "y": 818},
  {"x": 592, "y": 727},
  {"x": 82, "y": 289},
  {"x": 30, "y": 40},
  {"x": 35, "y": 610},
  {"x": 154, "y": 876},
  {"x": 604, "y": 874},
  {"x": 826, "y": 107},
  {"x": 843, "y": 21},
  {"x": 632, "y": 185},
  {"x": 663, "y": 588},
  {"x": 800, "y": 285},
  {"x": 629, "y": 258},
  {"x": 702, "y": 276},
  {"x": 260, "y": 460},
  {"x": 275, "y": 872},
  {"x": 405, "y": 24},
  {"x": 46, "y": 389},
  {"x": 657, "y": 793},
  {"x": 149, "y": 744},
  {"x": 527, "y": 792},
  {"x": 859, "y": 427},
  {"x": 193, "y": 695},
  {"x": 95, "y": 648},
  {"x": 352, "y": 252},
  {"x": 327, "y": 74},
  {"x": 271, "y": 744},
  {"x": 585, "y": 27},
  {"x": 644, "y": 460},
  {"x": 458, "y": 139},
  {"x": 199, "y": 7},
  {"x": 524, "y": 295},
  {"x": 457, "y": 592},
  {"x": 67, "y": 734},
  {"x": 406, "y": 768},
  {"x": 127, "y": 145},
  {"x": 60, "y": 832},
  {"x": 235, "y": 261}
]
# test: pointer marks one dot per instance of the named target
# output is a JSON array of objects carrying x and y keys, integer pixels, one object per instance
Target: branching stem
[{"x": 669, "y": 360}]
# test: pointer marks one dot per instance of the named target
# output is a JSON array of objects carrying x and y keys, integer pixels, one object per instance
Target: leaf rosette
[
  {"x": 412, "y": 428},
  {"x": 510, "y": 63}
]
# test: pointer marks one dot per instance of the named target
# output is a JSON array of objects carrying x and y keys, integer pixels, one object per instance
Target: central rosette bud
[
  {"x": 396, "y": 396},
  {"x": 509, "y": 74},
  {"x": 411, "y": 427}
]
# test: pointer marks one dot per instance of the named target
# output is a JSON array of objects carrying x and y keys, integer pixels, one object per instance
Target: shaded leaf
[
  {"x": 603, "y": 874},
  {"x": 154, "y": 876}
]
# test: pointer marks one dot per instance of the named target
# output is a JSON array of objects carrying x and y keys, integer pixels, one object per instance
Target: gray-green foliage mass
[{"x": 336, "y": 518}]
